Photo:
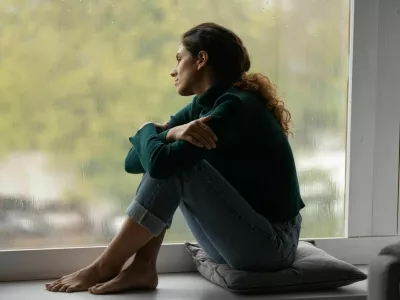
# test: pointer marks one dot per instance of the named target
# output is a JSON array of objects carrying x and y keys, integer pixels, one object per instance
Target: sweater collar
[{"x": 207, "y": 100}]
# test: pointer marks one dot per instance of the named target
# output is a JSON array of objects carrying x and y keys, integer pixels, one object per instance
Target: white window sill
[
  {"x": 177, "y": 286},
  {"x": 173, "y": 258}
]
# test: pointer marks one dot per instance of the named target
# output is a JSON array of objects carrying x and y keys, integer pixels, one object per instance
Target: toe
[
  {"x": 74, "y": 288},
  {"x": 56, "y": 287},
  {"x": 63, "y": 288},
  {"x": 93, "y": 288},
  {"x": 96, "y": 289},
  {"x": 51, "y": 284},
  {"x": 104, "y": 288}
]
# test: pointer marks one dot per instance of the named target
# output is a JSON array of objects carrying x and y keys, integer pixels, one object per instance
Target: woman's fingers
[
  {"x": 205, "y": 135},
  {"x": 193, "y": 141},
  {"x": 196, "y": 133},
  {"x": 206, "y": 128},
  {"x": 205, "y": 119},
  {"x": 199, "y": 134},
  {"x": 208, "y": 131}
]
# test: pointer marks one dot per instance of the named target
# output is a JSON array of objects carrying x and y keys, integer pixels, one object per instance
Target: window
[{"x": 79, "y": 77}]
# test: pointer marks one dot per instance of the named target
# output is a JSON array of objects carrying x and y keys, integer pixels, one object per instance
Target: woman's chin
[
  {"x": 181, "y": 91},
  {"x": 184, "y": 92}
]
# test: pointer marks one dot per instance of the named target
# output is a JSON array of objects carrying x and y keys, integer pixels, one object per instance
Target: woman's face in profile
[{"x": 186, "y": 72}]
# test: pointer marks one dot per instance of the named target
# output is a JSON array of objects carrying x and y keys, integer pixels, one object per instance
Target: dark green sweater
[{"x": 252, "y": 152}]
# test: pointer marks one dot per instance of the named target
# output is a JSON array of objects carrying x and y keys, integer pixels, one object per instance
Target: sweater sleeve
[
  {"x": 162, "y": 160},
  {"x": 133, "y": 164}
]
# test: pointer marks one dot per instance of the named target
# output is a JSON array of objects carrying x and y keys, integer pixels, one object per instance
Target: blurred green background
[{"x": 78, "y": 77}]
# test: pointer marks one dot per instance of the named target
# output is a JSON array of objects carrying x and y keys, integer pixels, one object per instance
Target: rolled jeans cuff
[{"x": 145, "y": 218}]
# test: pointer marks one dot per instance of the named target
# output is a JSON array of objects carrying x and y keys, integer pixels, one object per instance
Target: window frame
[
  {"x": 373, "y": 143},
  {"x": 373, "y": 173}
]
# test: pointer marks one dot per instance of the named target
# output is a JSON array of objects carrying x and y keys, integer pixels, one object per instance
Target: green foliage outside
[{"x": 77, "y": 78}]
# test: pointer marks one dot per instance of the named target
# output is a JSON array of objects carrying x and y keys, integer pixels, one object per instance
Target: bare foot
[
  {"x": 138, "y": 276},
  {"x": 81, "y": 280}
]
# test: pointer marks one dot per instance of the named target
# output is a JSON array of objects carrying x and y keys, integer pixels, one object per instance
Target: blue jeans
[{"x": 221, "y": 220}]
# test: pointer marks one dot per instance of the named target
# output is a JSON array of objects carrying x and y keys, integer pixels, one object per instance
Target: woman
[{"x": 226, "y": 162}]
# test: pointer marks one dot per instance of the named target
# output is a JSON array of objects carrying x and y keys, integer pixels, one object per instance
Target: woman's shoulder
[
  {"x": 248, "y": 98},
  {"x": 252, "y": 105}
]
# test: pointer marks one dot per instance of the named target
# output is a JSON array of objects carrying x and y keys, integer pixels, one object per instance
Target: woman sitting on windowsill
[{"x": 224, "y": 160}]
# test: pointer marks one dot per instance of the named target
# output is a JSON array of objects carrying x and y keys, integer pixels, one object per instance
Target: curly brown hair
[{"x": 230, "y": 62}]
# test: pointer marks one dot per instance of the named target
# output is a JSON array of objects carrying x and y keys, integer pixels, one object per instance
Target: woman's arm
[
  {"x": 161, "y": 159},
  {"x": 133, "y": 164}
]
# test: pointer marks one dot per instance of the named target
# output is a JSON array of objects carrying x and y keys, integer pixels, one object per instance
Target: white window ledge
[
  {"x": 54, "y": 263},
  {"x": 177, "y": 287}
]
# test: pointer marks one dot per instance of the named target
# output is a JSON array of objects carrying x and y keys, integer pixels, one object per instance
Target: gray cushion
[
  {"x": 393, "y": 250},
  {"x": 313, "y": 269}
]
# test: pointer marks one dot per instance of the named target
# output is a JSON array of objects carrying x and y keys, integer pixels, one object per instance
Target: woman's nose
[{"x": 173, "y": 72}]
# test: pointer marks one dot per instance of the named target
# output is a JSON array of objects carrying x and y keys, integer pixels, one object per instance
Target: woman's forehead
[{"x": 182, "y": 50}]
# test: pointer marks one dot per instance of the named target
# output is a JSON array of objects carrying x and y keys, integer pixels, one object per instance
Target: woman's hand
[
  {"x": 160, "y": 127},
  {"x": 195, "y": 132}
]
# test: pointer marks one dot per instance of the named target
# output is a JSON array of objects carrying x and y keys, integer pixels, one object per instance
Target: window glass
[{"x": 77, "y": 78}]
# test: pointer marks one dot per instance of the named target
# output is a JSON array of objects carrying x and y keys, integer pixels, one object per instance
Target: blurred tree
[{"x": 77, "y": 78}]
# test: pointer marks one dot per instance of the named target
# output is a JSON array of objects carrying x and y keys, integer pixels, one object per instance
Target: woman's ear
[{"x": 202, "y": 59}]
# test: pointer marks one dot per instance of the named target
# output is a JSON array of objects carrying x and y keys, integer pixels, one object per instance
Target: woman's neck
[{"x": 204, "y": 85}]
